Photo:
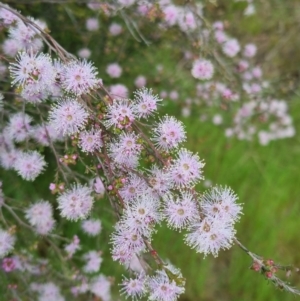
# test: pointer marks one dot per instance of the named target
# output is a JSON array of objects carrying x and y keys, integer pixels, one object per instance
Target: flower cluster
[{"x": 106, "y": 143}]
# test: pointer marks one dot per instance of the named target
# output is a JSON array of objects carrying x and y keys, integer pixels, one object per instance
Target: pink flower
[
  {"x": 120, "y": 114},
  {"x": 52, "y": 186},
  {"x": 10, "y": 47},
  {"x": 19, "y": 127},
  {"x": 202, "y": 69},
  {"x": 94, "y": 261},
  {"x": 49, "y": 291},
  {"x": 242, "y": 66},
  {"x": 160, "y": 181},
  {"x": 257, "y": 72},
  {"x": 118, "y": 91},
  {"x": 92, "y": 227},
  {"x": 9, "y": 264},
  {"x": 29, "y": 165},
  {"x": 84, "y": 53},
  {"x": 73, "y": 246},
  {"x": 33, "y": 69},
  {"x": 162, "y": 288},
  {"x": 187, "y": 169},
  {"x": 144, "y": 8},
  {"x": 210, "y": 235},
  {"x": 187, "y": 21},
  {"x": 40, "y": 217},
  {"x": 146, "y": 102},
  {"x": 169, "y": 133},
  {"x": 250, "y": 50},
  {"x": 180, "y": 211},
  {"x": 8, "y": 158},
  {"x": 7, "y": 242},
  {"x": 171, "y": 13},
  {"x": 125, "y": 150},
  {"x": 114, "y": 70},
  {"x": 220, "y": 36},
  {"x": 68, "y": 117},
  {"x": 126, "y": 239},
  {"x": 98, "y": 186},
  {"x": 92, "y": 24},
  {"x": 79, "y": 77},
  {"x": 100, "y": 286},
  {"x": 220, "y": 202},
  {"x": 90, "y": 141},
  {"x": 7, "y": 17},
  {"x": 76, "y": 202},
  {"x": 218, "y": 25},
  {"x": 115, "y": 29},
  {"x": 133, "y": 188},
  {"x": 26, "y": 37},
  {"x": 140, "y": 81},
  {"x": 217, "y": 119},
  {"x": 134, "y": 287},
  {"x": 231, "y": 47}
]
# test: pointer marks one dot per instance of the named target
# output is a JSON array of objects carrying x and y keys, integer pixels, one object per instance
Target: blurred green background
[{"x": 266, "y": 179}]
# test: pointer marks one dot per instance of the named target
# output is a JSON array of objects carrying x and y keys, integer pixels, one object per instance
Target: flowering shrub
[{"x": 129, "y": 154}]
